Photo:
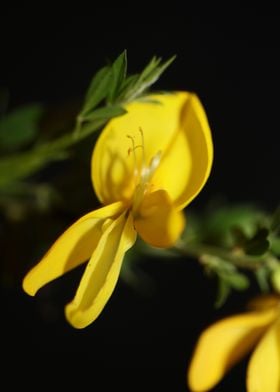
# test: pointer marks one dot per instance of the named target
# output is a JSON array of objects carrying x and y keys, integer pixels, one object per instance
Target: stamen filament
[{"x": 142, "y": 172}]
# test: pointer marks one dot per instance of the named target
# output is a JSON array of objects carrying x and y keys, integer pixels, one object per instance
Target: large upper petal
[
  {"x": 223, "y": 344},
  {"x": 187, "y": 161},
  {"x": 177, "y": 127},
  {"x": 264, "y": 366},
  {"x": 102, "y": 272},
  {"x": 72, "y": 248}
]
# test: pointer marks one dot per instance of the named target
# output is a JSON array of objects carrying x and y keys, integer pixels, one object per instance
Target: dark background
[{"x": 229, "y": 57}]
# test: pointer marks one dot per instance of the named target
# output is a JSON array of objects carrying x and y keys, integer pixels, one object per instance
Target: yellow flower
[
  {"x": 227, "y": 341},
  {"x": 147, "y": 165}
]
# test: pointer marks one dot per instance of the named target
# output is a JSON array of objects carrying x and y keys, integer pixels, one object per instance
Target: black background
[{"x": 229, "y": 57}]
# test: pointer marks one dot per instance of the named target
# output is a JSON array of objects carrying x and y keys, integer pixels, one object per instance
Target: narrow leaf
[
  {"x": 147, "y": 78},
  {"x": 105, "y": 113},
  {"x": 97, "y": 90},
  {"x": 263, "y": 276},
  {"x": 119, "y": 69},
  {"x": 223, "y": 292},
  {"x": 237, "y": 280}
]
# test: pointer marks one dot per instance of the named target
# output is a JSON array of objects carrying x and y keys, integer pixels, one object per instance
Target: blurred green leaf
[
  {"x": 239, "y": 236},
  {"x": 275, "y": 221},
  {"x": 20, "y": 126},
  {"x": 223, "y": 293},
  {"x": 225, "y": 225},
  {"x": 275, "y": 245},
  {"x": 236, "y": 280},
  {"x": 228, "y": 277},
  {"x": 259, "y": 244},
  {"x": 262, "y": 276},
  {"x": 275, "y": 279},
  {"x": 227, "y": 282},
  {"x": 119, "y": 69},
  {"x": 22, "y": 165}
]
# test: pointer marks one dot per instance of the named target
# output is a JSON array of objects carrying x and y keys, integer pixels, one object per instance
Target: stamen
[
  {"x": 143, "y": 147},
  {"x": 132, "y": 150},
  {"x": 143, "y": 172},
  {"x": 154, "y": 163}
]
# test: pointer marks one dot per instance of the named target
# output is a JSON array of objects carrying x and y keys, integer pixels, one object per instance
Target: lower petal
[
  {"x": 102, "y": 272},
  {"x": 71, "y": 249},
  {"x": 223, "y": 344},
  {"x": 264, "y": 366},
  {"x": 157, "y": 221}
]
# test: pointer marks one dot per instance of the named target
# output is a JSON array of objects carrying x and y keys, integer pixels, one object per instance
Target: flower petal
[
  {"x": 157, "y": 221},
  {"x": 186, "y": 164},
  {"x": 113, "y": 169},
  {"x": 72, "y": 248},
  {"x": 264, "y": 366},
  {"x": 264, "y": 301},
  {"x": 223, "y": 344},
  {"x": 102, "y": 272}
]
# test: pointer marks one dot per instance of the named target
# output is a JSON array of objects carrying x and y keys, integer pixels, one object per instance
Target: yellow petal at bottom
[
  {"x": 102, "y": 272},
  {"x": 72, "y": 248},
  {"x": 223, "y": 344},
  {"x": 264, "y": 366}
]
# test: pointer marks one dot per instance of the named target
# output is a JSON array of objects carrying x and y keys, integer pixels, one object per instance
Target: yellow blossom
[
  {"x": 147, "y": 165},
  {"x": 227, "y": 341}
]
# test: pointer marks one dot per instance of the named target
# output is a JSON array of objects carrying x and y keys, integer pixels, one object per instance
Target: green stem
[
  {"x": 239, "y": 260},
  {"x": 68, "y": 140},
  {"x": 13, "y": 168}
]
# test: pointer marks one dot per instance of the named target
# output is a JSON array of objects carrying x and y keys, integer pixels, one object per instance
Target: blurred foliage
[{"x": 236, "y": 244}]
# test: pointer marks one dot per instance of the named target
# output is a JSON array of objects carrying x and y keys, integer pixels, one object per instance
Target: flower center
[{"x": 143, "y": 172}]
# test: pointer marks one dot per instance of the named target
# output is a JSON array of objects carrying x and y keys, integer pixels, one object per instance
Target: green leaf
[
  {"x": 223, "y": 292},
  {"x": 105, "y": 113},
  {"x": 275, "y": 279},
  {"x": 229, "y": 226},
  {"x": 275, "y": 245},
  {"x": 259, "y": 244},
  {"x": 20, "y": 126},
  {"x": 275, "y": 222},
  {"x": 239, "y": 237},
  {"x": 98, "y": 89},
  {"x": 154, "y": 70},
  {"x": 128, "y": 83},
  {"x": 150, "y": 67},
  {"x": 236, "y": 280},
  {"x": 151, "y": 73},
  {"x": 263, "y": 276},
  {"x": 228, "y": 277},
  {"x": 119, "y": 69}
]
